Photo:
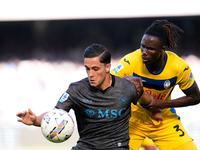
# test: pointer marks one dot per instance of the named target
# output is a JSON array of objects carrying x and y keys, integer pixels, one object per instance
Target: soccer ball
[{"x": 57, "y": 125}]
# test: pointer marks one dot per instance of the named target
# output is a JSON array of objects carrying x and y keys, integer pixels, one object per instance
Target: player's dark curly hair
[
  {"x": 166, "y": 31},
  {"x": 96, "y": 50}
]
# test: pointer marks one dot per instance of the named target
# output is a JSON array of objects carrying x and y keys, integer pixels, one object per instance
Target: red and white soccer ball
[{"x": 57, "y": 126}]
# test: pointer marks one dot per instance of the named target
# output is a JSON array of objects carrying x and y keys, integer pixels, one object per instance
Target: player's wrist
[
  {"x": 140, "y": 94},
  {"x": 144, "y": 105},
  {"x": 35, "y": 122}
]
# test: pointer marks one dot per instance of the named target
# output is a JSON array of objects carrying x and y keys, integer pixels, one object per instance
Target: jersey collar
[
  {"x": 161, "y": 69},
  {"x": 95, "y": 89}
]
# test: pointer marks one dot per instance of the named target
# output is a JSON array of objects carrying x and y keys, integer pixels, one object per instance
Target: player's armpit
[{"x": 136, "y": 81}]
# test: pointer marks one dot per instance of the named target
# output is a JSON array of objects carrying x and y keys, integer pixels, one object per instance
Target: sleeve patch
[
  {"x": 118, "y": 68},
  {"x": 191, "y": 78},
  {"x": 64, "y": 97}
]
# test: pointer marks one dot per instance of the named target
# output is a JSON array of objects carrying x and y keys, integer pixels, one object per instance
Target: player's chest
[{"x": 104, "y": 106}]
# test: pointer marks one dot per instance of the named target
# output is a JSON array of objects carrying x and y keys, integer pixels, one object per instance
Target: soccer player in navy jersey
[{"x": 101, "y": 102}]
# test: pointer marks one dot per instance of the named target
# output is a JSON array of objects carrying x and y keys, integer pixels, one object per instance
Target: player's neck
[
  {"x": 157, "y": 65},
  {"x": 107, "y": 83}
]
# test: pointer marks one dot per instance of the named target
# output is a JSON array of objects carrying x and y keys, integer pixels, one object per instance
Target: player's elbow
[
  {"x": 194, "y": 93},
  {"x": 198, "y": 99}
]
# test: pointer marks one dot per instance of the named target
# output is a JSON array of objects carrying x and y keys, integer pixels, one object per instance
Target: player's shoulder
[
  {"x": 176, "y": 61},
  {"x": 174, "y": 57},
  {"x": 127, "y": 63},
  {"x": 135, "y": 54},
  {"x": 81, "y": 84},
  {"x": 130, "y": 58},
  {"x": 122, "y": 82}
]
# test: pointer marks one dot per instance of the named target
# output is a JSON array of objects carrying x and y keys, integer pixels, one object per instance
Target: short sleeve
[
  {"x": 186, "y": 79},
  {"x": 132, "y": 90},
  {"x": 65, "y": 101},
  {"x": 123, "y": 67}
]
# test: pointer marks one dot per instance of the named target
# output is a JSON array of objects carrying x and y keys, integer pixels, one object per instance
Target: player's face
[
  {"x": 151, "y": 49},
  {"x": 96, "y": 72}
]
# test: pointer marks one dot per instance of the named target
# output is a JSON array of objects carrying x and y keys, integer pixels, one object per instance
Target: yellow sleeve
[
  {"x": 186, "y": 79},
  {"x": 124, "y": 66}
]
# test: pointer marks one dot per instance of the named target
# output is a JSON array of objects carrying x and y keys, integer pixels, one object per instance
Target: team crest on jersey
[
  {"x": 118, "y": 68},
  {"x": 64, "y": 97},
  {"x": 90, "y": 112},
  {"x": 122, "y": 100},
  {"x": 167, "y": 84}
]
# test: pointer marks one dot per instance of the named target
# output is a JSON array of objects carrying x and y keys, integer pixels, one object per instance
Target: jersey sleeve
[
  {"x": 136, "y": 94},
  {"x": 66, "y": 100},
  {"x": 123, "y": 67},
  {"x": 133, "y": 92},
  {"x": 186, "y": 79}
]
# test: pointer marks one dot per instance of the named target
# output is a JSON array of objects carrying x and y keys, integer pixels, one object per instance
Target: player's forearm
[
  {"x": 38, "y": 120},
  {"x": 145, "y": 99},
  {"x": 179, "y": 102},
  {"x": 192, "y": 98}
]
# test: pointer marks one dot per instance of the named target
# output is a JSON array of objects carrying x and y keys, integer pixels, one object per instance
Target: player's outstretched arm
[
  {"x": 29, "y": 118},
  {"x": 192, "y": 97}
]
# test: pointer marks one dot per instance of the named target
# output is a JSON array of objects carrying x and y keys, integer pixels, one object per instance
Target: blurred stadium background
[{"x": 41, "y": 53}]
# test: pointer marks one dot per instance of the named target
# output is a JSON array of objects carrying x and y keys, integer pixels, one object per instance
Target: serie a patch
[
  {"x": 64, "y": 97},
  {"x": 118, "y": 68}
]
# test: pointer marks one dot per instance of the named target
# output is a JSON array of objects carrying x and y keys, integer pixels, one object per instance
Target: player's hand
[
  {"x": 27, "y": 117},
  {"x": 156, "y": 114},
  {"x": 154, "y": 104},
  {"x": 137, "y": 81}
]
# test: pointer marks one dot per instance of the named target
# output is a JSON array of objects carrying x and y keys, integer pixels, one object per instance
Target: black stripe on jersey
[{"x": 157, "y": 84}]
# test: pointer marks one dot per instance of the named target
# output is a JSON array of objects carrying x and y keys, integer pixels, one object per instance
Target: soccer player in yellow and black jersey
[{"x": 160, "y": 70}]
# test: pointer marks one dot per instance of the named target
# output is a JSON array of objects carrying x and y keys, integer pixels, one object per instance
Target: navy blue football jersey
[{"x": 102, "y": 116}]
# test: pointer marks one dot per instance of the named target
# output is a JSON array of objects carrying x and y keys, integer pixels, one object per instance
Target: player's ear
[
  {"x": 108, "y": 66},
  {"x": 163, "y": 49}
]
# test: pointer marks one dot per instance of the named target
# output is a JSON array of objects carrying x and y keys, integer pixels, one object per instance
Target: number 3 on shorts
[{"x": 178, "y": 129}]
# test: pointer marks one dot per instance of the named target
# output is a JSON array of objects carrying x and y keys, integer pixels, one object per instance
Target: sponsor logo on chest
[{"x": 110, "y": 112}]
